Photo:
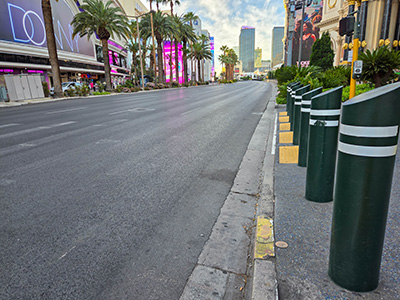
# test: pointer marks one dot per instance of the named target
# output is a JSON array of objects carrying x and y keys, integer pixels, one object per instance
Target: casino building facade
[{"x": 23, "y": 47}]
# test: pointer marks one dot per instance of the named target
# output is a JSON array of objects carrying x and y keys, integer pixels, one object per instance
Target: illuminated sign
[
  {"x": 212, "y": 49},
  {"x": 247, "y": 27},
  {"x": 167, "y": 53},
  {"x": 23, "y": 22}
]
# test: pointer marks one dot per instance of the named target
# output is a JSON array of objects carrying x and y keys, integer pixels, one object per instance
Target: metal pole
[
  {"x": 355, "y": 55},
  {"x": 140, "y": 51},
  {"x": 301, "y": 32}
]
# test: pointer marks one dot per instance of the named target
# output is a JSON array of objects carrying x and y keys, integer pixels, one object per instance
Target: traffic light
[{"x": 346, "y": 25}]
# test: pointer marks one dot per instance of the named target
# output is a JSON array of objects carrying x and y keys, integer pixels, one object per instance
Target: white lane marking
[
  {"x": 113, "y": 122},
  {"x": 274, "y": 137},
  {"x": 11, "y": 134},
  {"x": 118, "y": 112},
  {"x": 190, "y": 111},
  {"x": 8, "y": 125},
  {"x": 67, "y": 252},
  {"x": 137, "y": 109},
  {"x": 27, "y": 145},
  {"x": 64, "y": 110}
]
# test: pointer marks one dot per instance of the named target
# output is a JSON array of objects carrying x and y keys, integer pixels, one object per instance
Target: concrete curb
[
  {"x": 264, "y": 285},
  {"x": 224, "y": 268}
]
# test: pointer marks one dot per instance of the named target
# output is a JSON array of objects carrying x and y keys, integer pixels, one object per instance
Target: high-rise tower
[
  {"x": 277, "y": 46},
  {"x": 247, "y": 45}
]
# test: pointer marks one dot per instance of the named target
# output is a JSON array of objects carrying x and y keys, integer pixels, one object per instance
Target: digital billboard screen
[{"x": 22, "y": 22}]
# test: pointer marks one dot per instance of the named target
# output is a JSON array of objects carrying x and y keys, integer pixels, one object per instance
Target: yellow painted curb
[
  {"x": 264, "y": 246},
  {"x": 284, "y": 113},
  {"x": 288, "y": 154},
  {"x": 286, "y": 137},
  {"x": 284, "y": 126},
  {"x": 283, "y": 119}
]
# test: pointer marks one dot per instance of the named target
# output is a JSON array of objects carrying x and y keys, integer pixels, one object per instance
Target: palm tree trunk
[
  {"x": 199, "y": 69},
  {"x": 176, "y": 61},
  {"x": 185, "y": 64},
  {"x": 172, "y": 7},
  {"x": 202, "y": 74},
  {"x": 160, "y": 60},
  {"x": 107, "y": 69},
  {"x": 134, "y": 65},
  {"x": 52, "y": 48}
]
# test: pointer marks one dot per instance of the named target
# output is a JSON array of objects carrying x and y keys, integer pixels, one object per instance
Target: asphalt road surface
[{"x": 114, "y": 197}]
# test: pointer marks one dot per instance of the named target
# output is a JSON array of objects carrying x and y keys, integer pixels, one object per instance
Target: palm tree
[
  {"x": 201, "y": 51},
  {"x": 223, "y": 57},
  {"x": 172, "y": 3},
  {"x": 105, "y": 20},
  {"x": 230, "y": 59},
  {"x": 190, "y": 17},
  {"x": 162, "y": 27},
  {"x": 204, "y": 40},
  {"x": 52, "y": 48}
]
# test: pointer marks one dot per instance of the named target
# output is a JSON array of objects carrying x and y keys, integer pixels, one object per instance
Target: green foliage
[
  {"x": 101, "y": 87},
  {"x": 335, "y": 77},
  {"x": 287, "y": 74},
  {"x": 322, "y": 54},
  {"x": 46, "y": 90},
  {"x": 70, "y": 92},
  {"x": 118, "y": 89},
  {"x": 360, "y": 88},
  {"x": 101, "y": 93},
  {"x": 378, "y": 65}
]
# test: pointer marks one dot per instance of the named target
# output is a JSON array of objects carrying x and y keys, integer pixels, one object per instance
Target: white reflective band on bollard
[
  {"x": 325, "y": 122},
  {"x": 325, "y": 112},
  {"x": 367, "y": 151},
  {"x": 306, "y": 110},
  {"x": 364, "y": 131},
  {"x": 306, "y": 102}
]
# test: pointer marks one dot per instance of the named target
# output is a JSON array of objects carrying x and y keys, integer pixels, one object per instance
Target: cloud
[{"x": 224, "y": 18}]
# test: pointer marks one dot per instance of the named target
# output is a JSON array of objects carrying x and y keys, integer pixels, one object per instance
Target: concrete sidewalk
[{"x": 302, "y": 268}]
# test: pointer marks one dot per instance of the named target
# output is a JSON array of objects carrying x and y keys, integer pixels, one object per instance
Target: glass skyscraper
[
  {"x": 247, "y": 45},
  {"x": 277, "y": 46}
]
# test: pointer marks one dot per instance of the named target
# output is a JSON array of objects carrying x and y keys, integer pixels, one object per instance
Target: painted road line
[
  {"x": 283, "y": 119},
  {"x": 284, "y": 126},
  {"x": 30, "y": 130},
  {"x": 190, "y": 111},
  {"x": 286, "y": 137},
  {"x": 274, "y": 137},
  {"x": 8, "y": 125},
  {"x": 284, "y": 113},
  {"x": 264, "y": 246},
  {"x": 65, "y": 110},
  {"x": 288, "y": 154}
]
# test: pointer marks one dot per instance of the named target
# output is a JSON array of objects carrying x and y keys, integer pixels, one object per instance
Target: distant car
[{"x": 66, "y": 85}]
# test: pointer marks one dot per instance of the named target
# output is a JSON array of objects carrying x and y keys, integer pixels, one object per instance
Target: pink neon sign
[{"x": 167, "y": 53}]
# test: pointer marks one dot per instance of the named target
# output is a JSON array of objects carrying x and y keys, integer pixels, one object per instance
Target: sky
[{"x": 224, "y": 18}]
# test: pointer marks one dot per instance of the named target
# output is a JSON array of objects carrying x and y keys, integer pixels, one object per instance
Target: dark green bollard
[
  {"x": 369, "y": 133},
  {"x": 295, "y": 125},
  {"x": 305, "y": 125},
  {"x": 322, "y": 145},
  {"x": 288, "y": 91},
  {"x": 291, "y": 99}
]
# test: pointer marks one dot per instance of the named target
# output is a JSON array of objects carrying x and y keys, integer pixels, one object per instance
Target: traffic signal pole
[{"x": 356, "y": 46}]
